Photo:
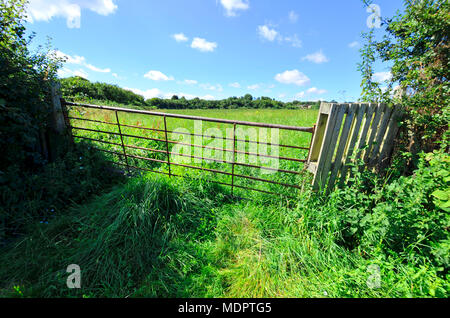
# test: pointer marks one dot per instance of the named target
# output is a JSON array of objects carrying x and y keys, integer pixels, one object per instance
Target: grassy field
[{"x": 303, "y": 118}]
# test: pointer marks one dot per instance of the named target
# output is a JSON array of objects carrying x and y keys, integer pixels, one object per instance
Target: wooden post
[{"x": 57, "y": 133}]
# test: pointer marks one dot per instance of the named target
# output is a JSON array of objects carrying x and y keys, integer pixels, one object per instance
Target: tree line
[{"x": 80, "y": 89}]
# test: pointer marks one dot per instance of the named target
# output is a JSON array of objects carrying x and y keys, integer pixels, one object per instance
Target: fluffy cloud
[
  {"x": 382, "y": 76},
  {"x": 315, "y": 90},
  {"x": 253, "y": 87},
  {"x": 300, "y": 95},
  {"x": 353, "y": 45},
  {"x": 45, "y": 10},
  {"x": 270, "y": 34},
  {"x": 180, "y": 37},
  {"x": 158, "y": 76},
  {"x": 317, "y": 57},
  {"x": 235, "y": 85},
  {"x": 294, "y": 41},
  {"x": 292, "y": 77},
  {"x": 190, "y": 82},
  {"x": 78, "y": 60},
  {"x": 65, "y": 72},
  {"x": 210, "y": 87},
  {"x": 148, "y": 94},
  {"x": 203, "y": 45},
  {"x": 267, "y": 33},
  {"x": 293, "y": 17},
  {"x": 232, "y": 6},
  {"x": 96, "y": 69}
]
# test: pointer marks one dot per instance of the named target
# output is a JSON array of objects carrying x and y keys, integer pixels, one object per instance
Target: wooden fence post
[{"x": 57, "y": 130}]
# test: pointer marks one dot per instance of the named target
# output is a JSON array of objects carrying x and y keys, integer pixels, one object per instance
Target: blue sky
[{"x": 213, "y": 49}]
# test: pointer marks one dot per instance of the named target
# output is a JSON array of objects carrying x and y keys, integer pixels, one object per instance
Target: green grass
[{"x": 160, "y": 236}]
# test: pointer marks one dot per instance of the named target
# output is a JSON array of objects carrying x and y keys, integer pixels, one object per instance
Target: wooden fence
[{"x": 346, "y": 131}]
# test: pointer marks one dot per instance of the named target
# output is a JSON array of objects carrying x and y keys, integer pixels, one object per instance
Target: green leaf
[{"x": 441, "y": 195}]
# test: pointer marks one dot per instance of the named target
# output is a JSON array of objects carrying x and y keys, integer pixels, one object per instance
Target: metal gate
[{"x": 160, "y": 141}]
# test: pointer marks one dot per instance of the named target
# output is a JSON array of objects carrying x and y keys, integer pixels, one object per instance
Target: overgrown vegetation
[
  {"x": 415, "y": 44},
  {"x": 150, "y": 236}
]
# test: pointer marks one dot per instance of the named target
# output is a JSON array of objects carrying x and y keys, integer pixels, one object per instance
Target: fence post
[
  {"x": 57, "y": 136},
  {"x": 167, "y": 145},
  {"x": 234, "y": 160},
  {"x": 123, "y": 145}
]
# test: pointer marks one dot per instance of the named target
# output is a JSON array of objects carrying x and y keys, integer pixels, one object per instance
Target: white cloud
[
  {"x": 180, "y": 37},
  {"x": 235, "y": 85},
  {"x": 253, "y": 87},
  {"x": 210, "y": 87},
  {"x": 317, "y": 57},
  {"x": 65, "y": 72},
  {"x": 300, "y": 95},
  {"x": 96, "y": 69},
  {"x": 81, "y": 73},
  {"x": 232, "y": 6},
  {"x": 203, "y": 45},
  {"x": 267, "y": 33},
  {"x": 148, "y": 94},
  {"x": 315, "y": 90},
  {"x": 208, "y": 97},
  {"x": 79, "y": 60},
  {"x": 294, "y": 40},
  {"x": 354, "y": 44},
  {"x": 190, "y": 82},
  {"x": 45, "y": 10},
  {"x": 293, "y": 17},
  {"x": 158, "y": 76},
  {"x": 382, "y": 76},
  {"x": 292, "y": 77}
]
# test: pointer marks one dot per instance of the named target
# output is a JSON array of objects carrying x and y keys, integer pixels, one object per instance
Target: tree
[
  {"x": 25, "y": 80},
  {"x": 415, "y": 43}
]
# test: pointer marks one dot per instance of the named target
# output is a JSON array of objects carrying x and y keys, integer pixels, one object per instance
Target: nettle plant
[{"x": 415, "y": 44}]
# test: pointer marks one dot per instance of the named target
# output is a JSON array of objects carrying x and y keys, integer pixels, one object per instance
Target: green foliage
[
  {"x": 415, "y": 43},
  {"x": 81, "y": 89},
  {"x": 46, "y": 193},
  {"x": 24, "y": 90}
]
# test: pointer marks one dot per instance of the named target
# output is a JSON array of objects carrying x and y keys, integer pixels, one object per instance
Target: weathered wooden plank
[
  {"x": 373, "y": 131},
  {"x": 388, "y": 142},
  {"x": 319, "y": 134},
  {"x": 380, "y": 136},
  {"x": 368, "y": 120},
  {"x": 331, "y": 146},
  {"x": 343, "y": 141},
  {"x": 317, "y": 182},
  {"x": 361, "y": 111}
]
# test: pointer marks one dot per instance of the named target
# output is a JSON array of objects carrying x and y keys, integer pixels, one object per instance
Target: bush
[{"x": 26, "y": 198}]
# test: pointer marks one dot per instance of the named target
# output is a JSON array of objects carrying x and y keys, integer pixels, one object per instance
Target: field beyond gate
[{"x": 239, "y": 154}]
